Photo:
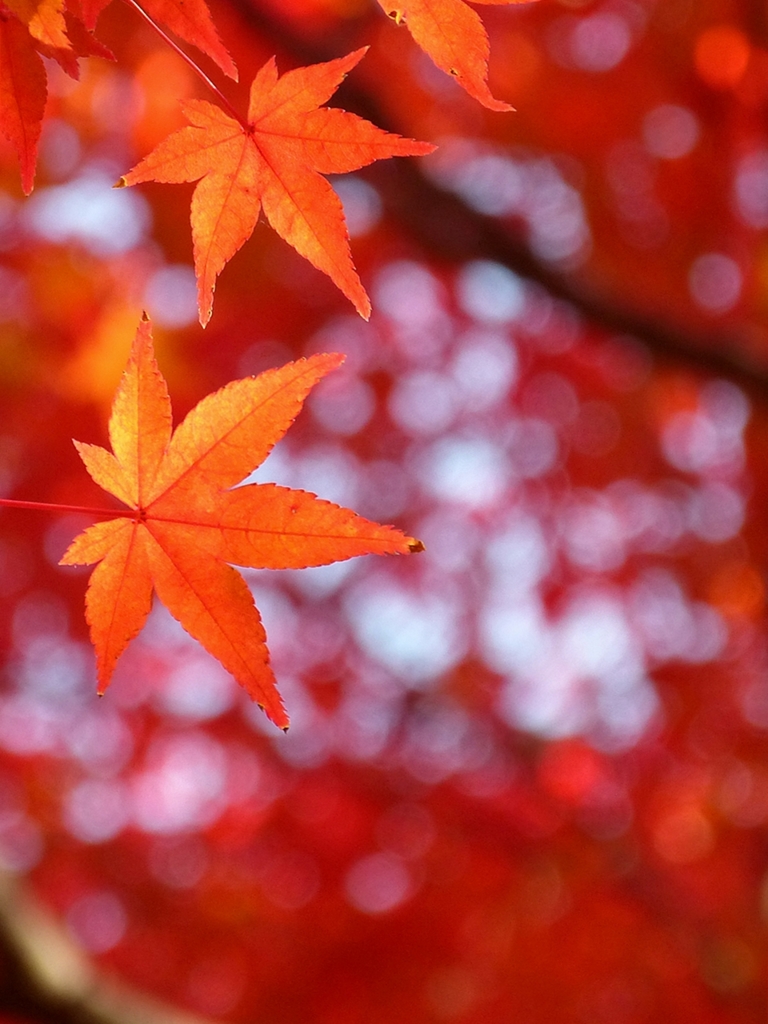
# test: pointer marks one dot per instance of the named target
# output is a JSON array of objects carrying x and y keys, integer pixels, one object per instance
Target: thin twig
[
  {"x": 47, "y": 506},
  {"x": 198, "y": 70}
]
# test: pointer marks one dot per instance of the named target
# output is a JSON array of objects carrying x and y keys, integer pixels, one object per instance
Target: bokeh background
[{"x": 527, "y": 775}]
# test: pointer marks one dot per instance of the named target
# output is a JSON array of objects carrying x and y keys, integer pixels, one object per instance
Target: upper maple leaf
[
  {"x": 61, "y": 30},
  {"x": 275, "y": 160},
  {"x": 454, "y": 37},
  {"x": 188, "y": 519}
]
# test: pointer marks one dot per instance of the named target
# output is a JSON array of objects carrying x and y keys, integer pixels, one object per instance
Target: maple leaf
[
  {"x": 454, "y": 37},
  {"x": 275, "y": 161},
  {"x": 188, "y": 519}
]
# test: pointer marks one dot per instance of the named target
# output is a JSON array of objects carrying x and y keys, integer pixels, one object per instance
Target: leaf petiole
[
  {"x": 198, "y": 70},
  {"x": 48, "y": 506}
]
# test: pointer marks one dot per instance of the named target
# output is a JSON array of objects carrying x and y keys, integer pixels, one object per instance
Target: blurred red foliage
[{"x": 527, "y": 773}]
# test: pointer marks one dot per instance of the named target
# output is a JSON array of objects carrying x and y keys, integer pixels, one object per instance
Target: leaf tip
[
  {"x": 204, "y": 304},
  {"x": 358, "y": 54},
  {"x": 121, "y": 182},
  {"x": 363, "y": 305},
  {"x": 276, "y": 715},
  {"x": 414, "y": 545}
]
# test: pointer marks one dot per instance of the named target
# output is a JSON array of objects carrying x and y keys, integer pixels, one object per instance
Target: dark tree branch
[
  {"x": 446, "y": 228},
  {"x": 46, "y": 978},
  {"x": 449, "y": 231}
]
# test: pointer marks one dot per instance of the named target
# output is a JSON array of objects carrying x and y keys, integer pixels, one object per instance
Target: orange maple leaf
[
  {"x": 275, "y": 161},
  {"x": 44, "y": 19},
  {"x": 454, "y": 37},
  {"x": 188, "y": 519}
]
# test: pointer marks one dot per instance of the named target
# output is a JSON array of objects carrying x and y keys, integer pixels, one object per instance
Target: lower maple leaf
[{"x": 187, "y": 520}]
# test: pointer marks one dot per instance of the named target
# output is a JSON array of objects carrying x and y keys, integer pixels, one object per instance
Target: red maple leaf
[
  {"x": 187, "y": 518},
  {"x": 454, "y": 37},
  {"x": 28, "y": 32},
  {"x": 23, "y": 93},
  {"x": 274, "y": 161}
]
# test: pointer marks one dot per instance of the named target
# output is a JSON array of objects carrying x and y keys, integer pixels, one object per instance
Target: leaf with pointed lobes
[
  {"x": 187, "y": 519},
  {"x": 453, "y": 35},
  {"x": 275, "y": 161}
]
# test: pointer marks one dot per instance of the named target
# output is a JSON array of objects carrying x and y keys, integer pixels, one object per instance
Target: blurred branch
[
  {"x": 446, "y": 228},
  {"x": 44, "y": 976},
  {"x": 449, "y": 230}
]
